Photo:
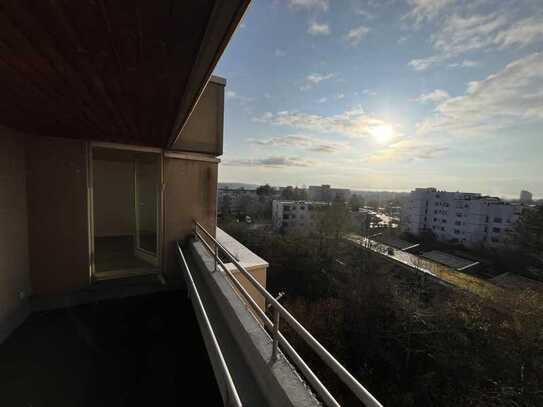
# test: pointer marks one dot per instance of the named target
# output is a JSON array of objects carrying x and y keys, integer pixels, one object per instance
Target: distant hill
[{"x": 237, "y": 185}]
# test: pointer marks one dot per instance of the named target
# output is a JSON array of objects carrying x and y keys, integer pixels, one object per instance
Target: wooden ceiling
[{"x": 127, "y": 71}]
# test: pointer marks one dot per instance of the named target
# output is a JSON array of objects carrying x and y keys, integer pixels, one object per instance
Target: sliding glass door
[{"x": 147, "y": 207}]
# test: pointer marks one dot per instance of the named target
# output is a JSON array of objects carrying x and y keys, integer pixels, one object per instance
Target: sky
[{"x": 386, "y": 95}]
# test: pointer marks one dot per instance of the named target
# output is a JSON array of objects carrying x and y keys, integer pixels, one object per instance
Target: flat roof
[
  {"x": 395, "y": 242},
  {"x": 448, "y": 259},
  {"x": 514, "y": 281}
]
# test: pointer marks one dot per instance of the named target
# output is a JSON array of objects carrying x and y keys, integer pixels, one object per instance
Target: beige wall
[
  {"x": 14, "y": 268},
  {"x": 57, "y": 214},
  {"x": 113, "y": 198},
  {"x": 260, "y": 274},
  {"x": 203, "y": 132},
  {"x": 190, "y": 193}
]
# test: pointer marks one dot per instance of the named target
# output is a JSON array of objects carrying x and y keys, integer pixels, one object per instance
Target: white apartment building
[
  {"x": 467, "y": 218},
  {"x": 294, "y": 214}
]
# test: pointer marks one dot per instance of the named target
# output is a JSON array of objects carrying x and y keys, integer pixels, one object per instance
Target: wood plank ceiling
[{"x": 102, "y": 70}]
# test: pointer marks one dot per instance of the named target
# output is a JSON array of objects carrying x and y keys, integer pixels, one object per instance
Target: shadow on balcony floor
[{"x": 144, "y": 350}]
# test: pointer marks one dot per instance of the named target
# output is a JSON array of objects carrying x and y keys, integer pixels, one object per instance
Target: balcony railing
[
  {"x": 230, "y": 391},
  {"x": 281, "y": 314}
]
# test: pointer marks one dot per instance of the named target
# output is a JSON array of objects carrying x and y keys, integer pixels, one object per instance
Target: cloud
[
  {"x": 424, "y": 63},
  {"x": 354, "y": 123},
  {"x": 355, "y": 35},
  {"x": 436, "y": 96},
  {"x": 466, "y": 63},
  {"x": 459, "y": 35},
  {"x": 273, "y": 162},
  {"x": 315, "y": 28},
  {"x": 426, "y": 10},
  {"x": 408, "y": 149},
  {"x": 501, "y": 100},
  {"x": 322, "y": 100},
  {"x": 265, "y": 118},
  {"x": 369, "y": 92},
  {"x": 309, "y": 4},
  {"x": 340, "y": 96},
  {"x": 301, "y": 141},
  {"x": 315, "y": 79},
  {"x": 364, "y": 13},
  {"x": 521, "y": 33},
  {"x": 280, "y": 52}
]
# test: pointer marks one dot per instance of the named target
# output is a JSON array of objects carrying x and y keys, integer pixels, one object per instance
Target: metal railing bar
[
  {"x": 231, "y": 391},
  {"x": 360, "y": 391},
  {"x": 313, "y": 380}
]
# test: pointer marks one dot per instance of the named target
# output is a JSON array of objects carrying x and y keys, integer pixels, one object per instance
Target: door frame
[{"x": 93, "y": 275}]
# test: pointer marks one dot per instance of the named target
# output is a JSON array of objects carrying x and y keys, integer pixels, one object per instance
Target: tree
[
  {"x": 355, "y": 203},
  {"x": 528, "y": 231},
  {"x": 264, "y": 190}
]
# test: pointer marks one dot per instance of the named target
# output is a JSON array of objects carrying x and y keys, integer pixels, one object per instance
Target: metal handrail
[
  {"x": 232, "y": 396},
  {"x": 280, "y": 312}
]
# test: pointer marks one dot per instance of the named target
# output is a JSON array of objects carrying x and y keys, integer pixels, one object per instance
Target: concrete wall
[
  {"x": 113, "y": 198},
  {"x": 14, "y": 267},
  {"x": 190, "y": 192},
  {"x": 203, "y": 132},
  {"x": 260, "y": 274},
  {"x": 57, "y": 214}
]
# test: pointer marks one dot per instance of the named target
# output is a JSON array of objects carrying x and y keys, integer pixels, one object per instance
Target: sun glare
[{"x": 382, "y": 134}]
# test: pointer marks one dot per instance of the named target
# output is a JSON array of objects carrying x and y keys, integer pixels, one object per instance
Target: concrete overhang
[{"x": 123, "y": 72}]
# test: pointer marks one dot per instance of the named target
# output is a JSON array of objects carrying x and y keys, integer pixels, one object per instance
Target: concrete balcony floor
[{"x": 144, "y": 350}]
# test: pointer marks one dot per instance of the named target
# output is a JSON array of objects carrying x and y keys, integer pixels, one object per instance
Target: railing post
[
  {"x": 216, "y": 255},
  {"x": 276, "y": 317}
]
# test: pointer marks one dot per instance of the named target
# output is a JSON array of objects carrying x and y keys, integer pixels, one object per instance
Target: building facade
[
  {"x": 289, "y": 215},
  {"x": 467, "y": 218},
  {"x": 526, "y": 197},
  {"x": 325, "y": 193},
  {"x": 232, "y": 200}
]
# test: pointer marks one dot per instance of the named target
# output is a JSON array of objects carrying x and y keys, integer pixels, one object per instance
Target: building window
[
  {"x": 497, "y": 220},
  {"x": 496, "y": 230}
]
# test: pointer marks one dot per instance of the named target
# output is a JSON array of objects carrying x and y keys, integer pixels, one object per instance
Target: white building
[
  {"x": 467, "y": 218},
  {"x": 325, "y": 193},
  {"x": 526, "y": 197},
  {"x": 294, "y": 214}
]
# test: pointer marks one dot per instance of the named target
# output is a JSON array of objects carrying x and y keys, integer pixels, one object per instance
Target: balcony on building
[{"x": 116, "y": 286}]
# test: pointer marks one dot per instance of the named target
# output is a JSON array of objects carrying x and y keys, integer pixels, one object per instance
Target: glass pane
[{"x": 147, "y": 201}]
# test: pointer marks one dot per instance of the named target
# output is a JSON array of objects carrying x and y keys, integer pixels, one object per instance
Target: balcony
[{"x": 126, "y": 351}]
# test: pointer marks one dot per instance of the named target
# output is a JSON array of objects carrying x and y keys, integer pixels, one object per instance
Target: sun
[{"x": 382, "y": 133}]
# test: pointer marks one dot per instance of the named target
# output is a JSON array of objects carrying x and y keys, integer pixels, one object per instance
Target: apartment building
[
  {"x": 232, "y": 199},
  {"x": 325, "y": 193},
  {"x": 467, "y": 218},
  {"x": 526, "y": 197},
  {"x": 111, "y": 125},
  {"x": 289, "y": 215}
]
